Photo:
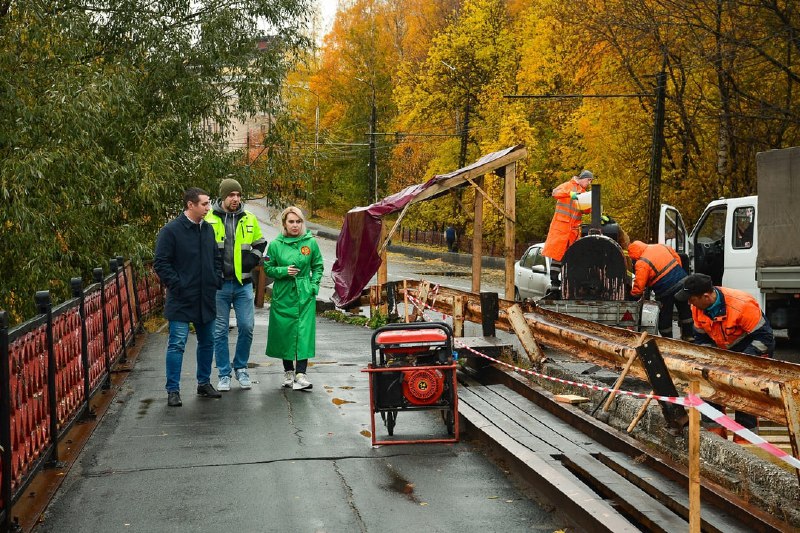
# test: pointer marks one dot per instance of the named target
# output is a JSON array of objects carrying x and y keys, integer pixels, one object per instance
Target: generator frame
[{"x": 409, "y": 342}]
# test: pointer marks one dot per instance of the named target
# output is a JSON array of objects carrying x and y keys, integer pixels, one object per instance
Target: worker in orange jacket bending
[
  {"x": 658, "y": 267},
  {"x": 729, "y": 319},
  {"x": 565, "y": 228}
]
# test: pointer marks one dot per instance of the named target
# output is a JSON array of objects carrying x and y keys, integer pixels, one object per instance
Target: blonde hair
[{"x": 296, "y": 211}]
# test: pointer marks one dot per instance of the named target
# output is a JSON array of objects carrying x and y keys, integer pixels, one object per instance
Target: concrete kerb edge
[{"x": 723, "y": 462}]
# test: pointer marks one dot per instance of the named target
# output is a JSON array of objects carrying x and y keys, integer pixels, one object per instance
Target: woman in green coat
[{"x": 295, "y": 263}]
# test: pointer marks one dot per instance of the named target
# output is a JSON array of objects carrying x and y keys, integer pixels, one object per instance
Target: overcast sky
[{"x": 328, "y": 10}]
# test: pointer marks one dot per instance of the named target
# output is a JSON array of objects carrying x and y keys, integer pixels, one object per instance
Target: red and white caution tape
[{"x": 690, "y": 401}]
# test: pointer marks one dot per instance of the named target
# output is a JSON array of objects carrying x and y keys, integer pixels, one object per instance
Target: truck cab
[{"x": 724, "y": 245}]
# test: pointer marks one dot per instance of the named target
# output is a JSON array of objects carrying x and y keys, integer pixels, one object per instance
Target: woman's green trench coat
[{"x": 292, "y": 328}]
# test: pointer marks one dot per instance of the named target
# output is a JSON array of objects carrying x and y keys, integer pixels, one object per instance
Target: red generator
[{"x": 413, "y": 369}]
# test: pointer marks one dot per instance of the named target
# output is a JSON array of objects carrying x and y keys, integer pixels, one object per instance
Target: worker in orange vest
[
  {"x": 732, "y": 320},
  {"x": 658, "y": 267},
  {"x": 565, "y": 228}
]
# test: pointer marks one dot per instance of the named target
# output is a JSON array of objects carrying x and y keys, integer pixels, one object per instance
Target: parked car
[{"x": 532, "y": 274}]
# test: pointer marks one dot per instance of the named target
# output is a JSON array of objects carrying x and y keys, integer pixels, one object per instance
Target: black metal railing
[{"x": 53, "y": 364}]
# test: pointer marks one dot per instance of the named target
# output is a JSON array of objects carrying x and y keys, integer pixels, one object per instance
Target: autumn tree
[{"x": 102, "y": 123}]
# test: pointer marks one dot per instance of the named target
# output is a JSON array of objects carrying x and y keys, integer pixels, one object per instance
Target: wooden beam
[
  {"x": 477, "y": 241},
  {"x": 791, "y": 402},
  {"x": 405, "y": 301},
  {"x": 458, "y": 316},
  {"x": 461, "y": 178},
  {"x": 620, "y": 379},
  {"x": 489, "y": 198},
  {"x": 694, "y": 463},
  {"x": 640, "y": 413},
  {"x": 386, "y": 237},
  {"x": 510, "y": 223},
  {"x": 517, "y": 320},
  {"x": 383, "y": 273}
]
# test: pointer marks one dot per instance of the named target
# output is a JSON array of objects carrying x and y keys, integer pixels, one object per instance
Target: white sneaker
[
  {"x": 301, "y": 383},
  {"x": 288, "y": 378},
  {"x": 244, "y": 379},
  {"x": 224, "y": 383}
]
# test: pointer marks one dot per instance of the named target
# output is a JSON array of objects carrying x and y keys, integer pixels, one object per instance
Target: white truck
[{"x": 751, "y": 243}]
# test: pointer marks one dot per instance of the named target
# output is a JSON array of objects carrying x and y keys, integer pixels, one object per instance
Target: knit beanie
[{"x": 228, "y": 186}]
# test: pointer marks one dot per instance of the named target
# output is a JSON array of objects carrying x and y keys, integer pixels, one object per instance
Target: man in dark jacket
[{"x": 189, "y": 265}]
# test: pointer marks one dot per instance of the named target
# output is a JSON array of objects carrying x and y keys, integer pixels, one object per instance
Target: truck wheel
[{"x": 517, "y": 297}]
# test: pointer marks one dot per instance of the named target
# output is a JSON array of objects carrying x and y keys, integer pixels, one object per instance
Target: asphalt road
[{"x": 277, "y": 460}]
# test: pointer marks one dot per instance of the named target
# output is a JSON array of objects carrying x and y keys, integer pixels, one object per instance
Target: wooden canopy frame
[{"x": 506, "y": 168}]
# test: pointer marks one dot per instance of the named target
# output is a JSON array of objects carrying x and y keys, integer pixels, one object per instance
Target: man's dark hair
[{"x": 192, "y": 195}]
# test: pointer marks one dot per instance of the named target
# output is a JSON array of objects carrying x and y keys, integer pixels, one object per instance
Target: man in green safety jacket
[{"x": 242, "y": 246}]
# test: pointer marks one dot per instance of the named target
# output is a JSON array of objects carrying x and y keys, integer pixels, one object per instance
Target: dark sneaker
[
  {"x": 206, "y": 390},
  {"x": 174, "y": 399}
]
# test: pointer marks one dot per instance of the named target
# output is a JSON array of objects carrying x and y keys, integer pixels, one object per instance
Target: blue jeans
[
  {"x": 240, "y": 297},
  {"x": 178, "y": 333}
]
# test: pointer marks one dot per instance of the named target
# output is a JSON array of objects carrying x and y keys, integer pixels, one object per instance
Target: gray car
[{"x": 532, "y": 274}]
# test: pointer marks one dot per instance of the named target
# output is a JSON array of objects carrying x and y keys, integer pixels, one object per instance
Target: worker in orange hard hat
[
  {"x": 658, "y": 267},
  {"x": 565, "y": 228}
]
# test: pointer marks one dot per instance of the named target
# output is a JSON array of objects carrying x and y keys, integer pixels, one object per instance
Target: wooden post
[
  {"x": 405, "y": 301},
  {"x": 694, "y": 462},
  {"x": 625, "y": 370},
  {"x": 259, "y": 285},
  {"x": 517, "y": 320},
  {"x": 422, "y": 296},
  {"x": 640, "y": 413},
  {"x": 477, "y": 238},
  {"x": 458, "y": 316},
  {"x": 374, "y": 299},
  {"x": 619, "y": 381},
  {"x": 791, "y": 403},
  {"x": 383, "y": 272},
  {"x": 510, "y": 223}
]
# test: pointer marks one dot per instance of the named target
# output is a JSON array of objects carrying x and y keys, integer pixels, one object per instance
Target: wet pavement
[{"x": 274, "y": 459}]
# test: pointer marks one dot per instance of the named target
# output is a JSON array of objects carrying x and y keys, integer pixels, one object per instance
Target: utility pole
[
  {"x": 373, "y": 163},
  {"x": 654, "y": 188},
  {"x": 372, "y": 166},
  {"x": 462, "y": 155}
]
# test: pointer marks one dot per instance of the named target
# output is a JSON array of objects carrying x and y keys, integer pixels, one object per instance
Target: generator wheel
[
  {"x": 449, "y": 421},
  {"x": 391, "y": 418}
]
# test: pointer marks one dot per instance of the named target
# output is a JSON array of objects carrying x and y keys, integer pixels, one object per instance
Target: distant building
[{"x": 249, "y": 134}]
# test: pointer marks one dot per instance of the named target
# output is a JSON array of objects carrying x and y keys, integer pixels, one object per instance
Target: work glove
[
  {"x": 604, "y": 219},
  {"x": 573, "y": 195}
]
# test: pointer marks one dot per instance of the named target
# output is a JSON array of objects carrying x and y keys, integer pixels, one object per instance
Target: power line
[{"x": 544, "y": 96}]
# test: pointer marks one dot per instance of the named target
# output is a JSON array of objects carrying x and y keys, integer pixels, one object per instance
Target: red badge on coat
[{"x": 305, "y": 250}]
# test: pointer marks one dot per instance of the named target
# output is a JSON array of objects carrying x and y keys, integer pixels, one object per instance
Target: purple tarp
[{"x": 357, "y": 258}]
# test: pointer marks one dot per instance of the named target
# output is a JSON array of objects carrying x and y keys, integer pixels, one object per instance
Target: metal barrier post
[
  {"x": 98, "y": 277},
  {"x": 490, "y": 311},
  {"x": 44, "y": 306},
  {"x": 112, "y": 263},
  {"x": 5, "y": 423},
  {"x": 137, "y": 304},
  {"x": 77, "y": 292},
  {"x": 129, "y": 288}
]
